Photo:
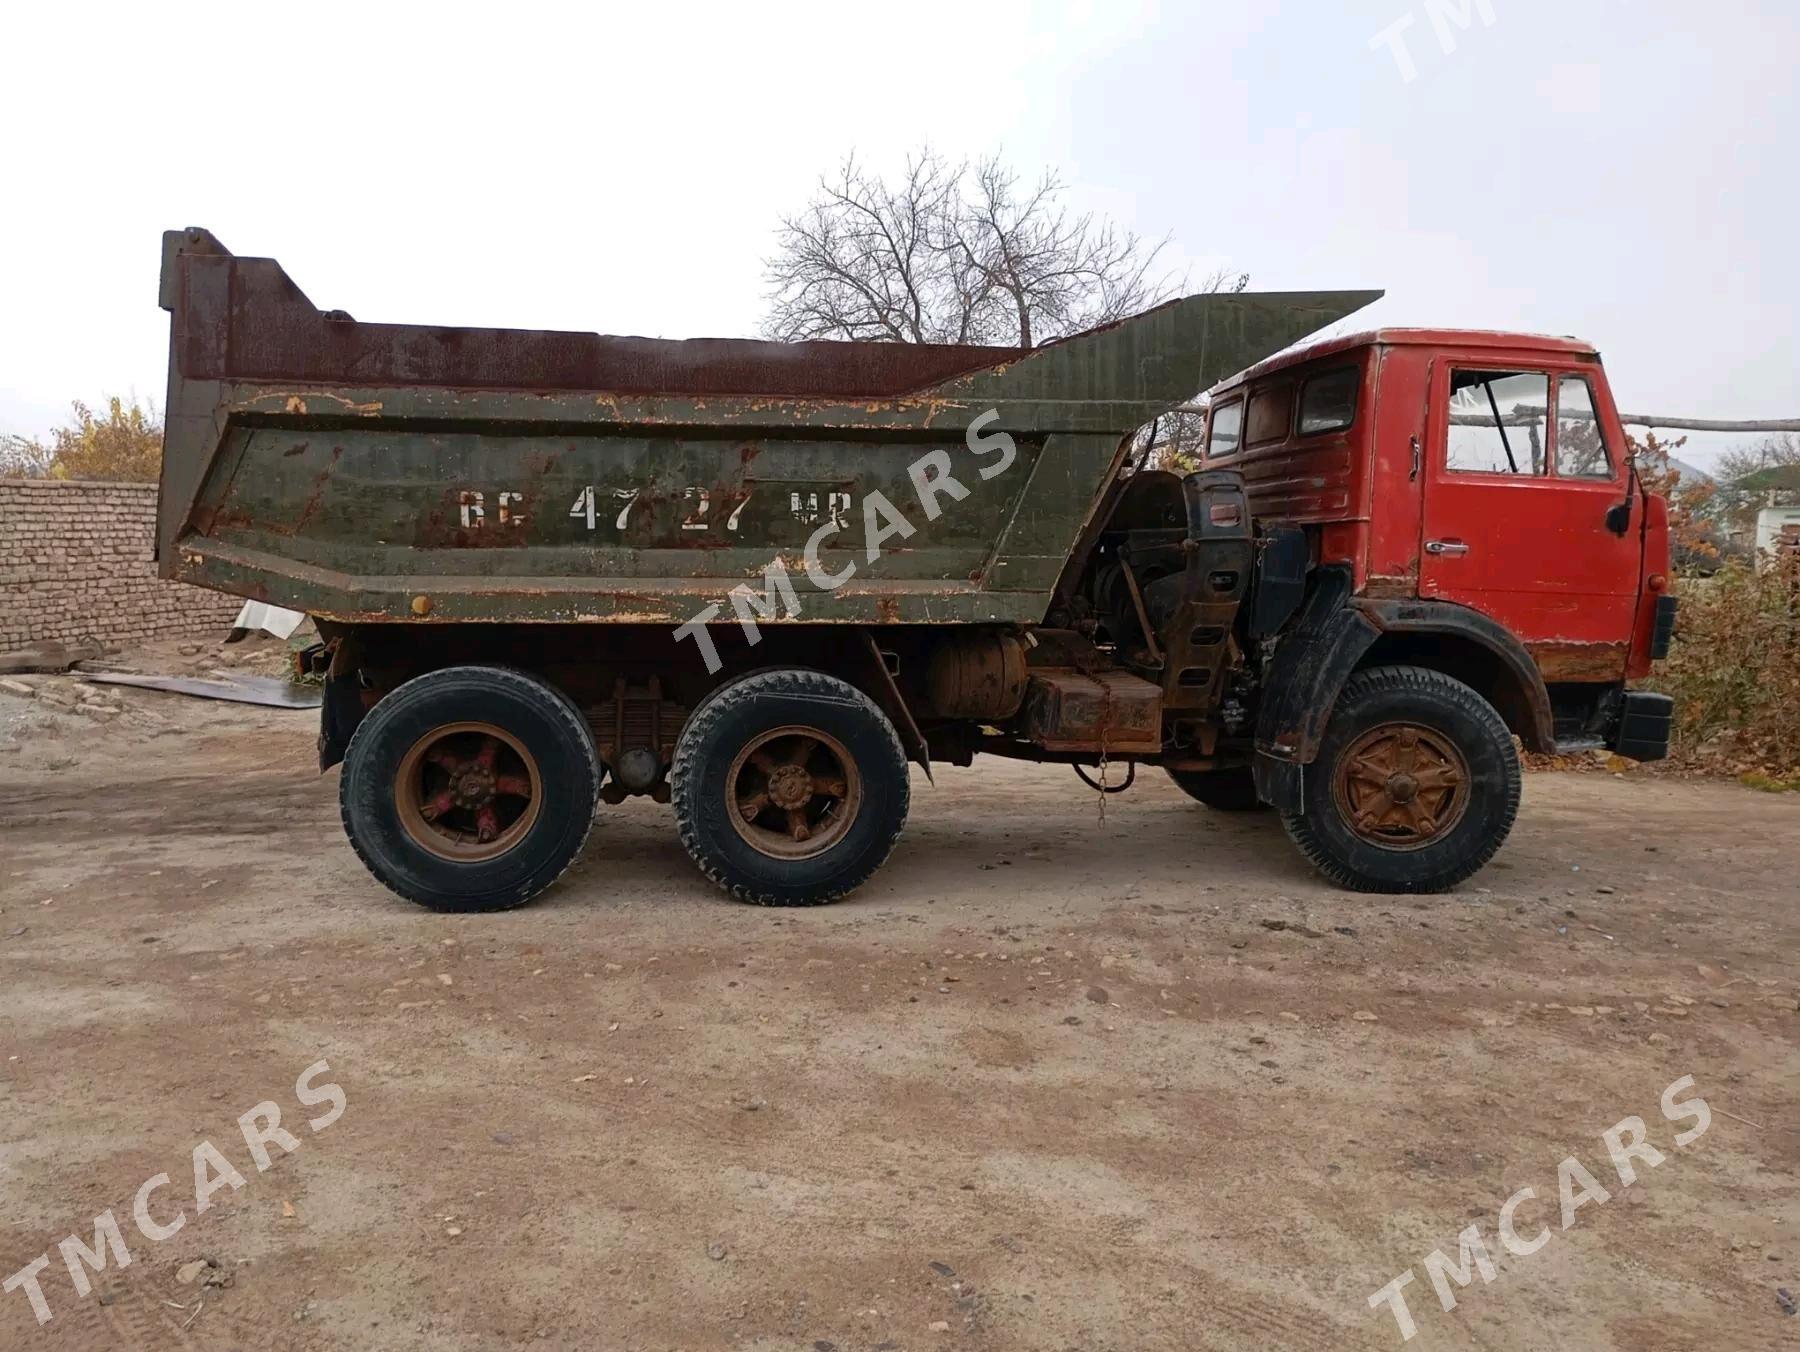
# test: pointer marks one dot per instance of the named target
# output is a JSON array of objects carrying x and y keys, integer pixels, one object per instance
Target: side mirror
[{"x": 1618, "y": 516}]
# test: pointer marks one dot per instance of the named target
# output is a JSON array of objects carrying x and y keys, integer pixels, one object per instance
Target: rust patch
[
  {"x": 311, "y": 505},
  {"x": 1384, "y": 588},
  {"x": 1105, "y": 712},
  {"x": 1583, "y": 662},
  {"x": 368, "y": 410},
  {"x": 213, "y": 520},
  {"x": 482, "y": 537}
]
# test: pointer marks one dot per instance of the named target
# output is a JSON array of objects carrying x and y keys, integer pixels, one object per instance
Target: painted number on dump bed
[
  {"x": 697, "y": 507},
  {"x": 509, "y": 509},
  {"x": 688, "y": 510}
]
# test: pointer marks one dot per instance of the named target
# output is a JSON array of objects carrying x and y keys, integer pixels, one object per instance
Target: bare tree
[
  {"x": 1759, "y": 475},
  {"x": 952, "y": 253},
  {"x": 1771, "y": 453}
]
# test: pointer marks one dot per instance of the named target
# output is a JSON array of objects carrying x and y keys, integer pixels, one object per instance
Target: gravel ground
[{"x": 1049, "y": 1081}]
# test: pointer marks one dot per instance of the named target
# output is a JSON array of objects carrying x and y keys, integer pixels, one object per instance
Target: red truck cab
[{"x": 1475, "y": 491}]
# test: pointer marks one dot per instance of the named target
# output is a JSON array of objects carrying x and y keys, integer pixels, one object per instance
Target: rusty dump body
[{"x": 381, "y": 472}]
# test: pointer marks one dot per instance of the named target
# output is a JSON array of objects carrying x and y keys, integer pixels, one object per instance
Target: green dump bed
[{"x": 365, "y": 471}]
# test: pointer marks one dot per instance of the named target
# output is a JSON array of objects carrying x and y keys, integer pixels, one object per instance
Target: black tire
[
  {"x": 756, "y": 711},
  {"x": 538, "y": 722},
  {"x": 1448, "y": 716},
  {"x": 1221, "y": 790}
]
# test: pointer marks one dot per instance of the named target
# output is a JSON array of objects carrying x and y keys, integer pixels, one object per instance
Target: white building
[{"x": 1777, "y": 530}]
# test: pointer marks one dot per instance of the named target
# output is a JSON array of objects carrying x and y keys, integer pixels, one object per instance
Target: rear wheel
[
  {"x": 790, "y": 787},
  {"x": 1415, "y": 787},
  {"x": 1221, "y": 790},
  {"x": 470, "y": 788}
]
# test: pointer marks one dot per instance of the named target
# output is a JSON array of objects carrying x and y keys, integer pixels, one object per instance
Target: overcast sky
[{"x": 1624, "y": 170}]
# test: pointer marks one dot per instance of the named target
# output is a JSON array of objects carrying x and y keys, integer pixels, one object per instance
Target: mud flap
[
  {"x": 1644, "y": 723},
  {"x": 339, "y": 714},
  {"x": 1279, "y": 783},
  {"x": 1312, "y": 662}
]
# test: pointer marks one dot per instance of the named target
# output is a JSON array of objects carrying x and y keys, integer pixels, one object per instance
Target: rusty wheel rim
[
  {"x": 793, "y": 793},
  {"x": 1402, "y": 786},
  {"x": 468, "y": 792}
]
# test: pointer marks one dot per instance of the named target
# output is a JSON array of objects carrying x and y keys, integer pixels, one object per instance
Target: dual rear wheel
[{"x": 473, "y": 788}]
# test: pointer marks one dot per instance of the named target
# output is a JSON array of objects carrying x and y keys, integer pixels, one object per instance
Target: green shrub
[{"x": 1734, "y": 670}]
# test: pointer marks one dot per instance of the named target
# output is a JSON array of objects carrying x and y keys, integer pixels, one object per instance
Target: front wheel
[
  {"x": 790, "y": 787},
  {"x": 1415, "y": 787},
  {"x": 470, "y": 788}
]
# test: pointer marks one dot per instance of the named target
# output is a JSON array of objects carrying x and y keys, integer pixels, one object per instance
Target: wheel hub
[
  {"x": 790, "y": 786},
  {"x": 467, "y": 792},
  {"x": 1401, "y": 786},
  {"x": 474, "y": 788},
  {"x": 793, "y": 792}
]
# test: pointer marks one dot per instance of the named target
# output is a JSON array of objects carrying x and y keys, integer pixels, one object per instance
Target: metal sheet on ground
[{"x": 264, "y": 690}]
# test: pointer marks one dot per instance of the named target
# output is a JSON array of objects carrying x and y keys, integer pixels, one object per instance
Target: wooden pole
[{"x": 1523, "y": 413}]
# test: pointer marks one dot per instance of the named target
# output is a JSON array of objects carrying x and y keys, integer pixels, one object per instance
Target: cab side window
[
  {"x": 1225, "y": 432},
  {"x": 1581, "y": 451},
  {"x": 1498, "y": 422}
]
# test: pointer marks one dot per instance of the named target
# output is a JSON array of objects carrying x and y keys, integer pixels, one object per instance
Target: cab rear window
[
  {"x": 1267, "y": 420},
  {"x": 1225, "y": 430},
  {"x": 1328, "y": 401}
]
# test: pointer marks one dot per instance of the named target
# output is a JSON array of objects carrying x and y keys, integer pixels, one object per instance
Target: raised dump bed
[{"x": 366, "y": 471}]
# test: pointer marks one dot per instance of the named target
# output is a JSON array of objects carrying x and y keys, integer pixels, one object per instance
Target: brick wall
[{"x": 75, "y": 563}]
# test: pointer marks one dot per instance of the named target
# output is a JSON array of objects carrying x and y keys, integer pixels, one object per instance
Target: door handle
[{"x": 1451, "y": 547}]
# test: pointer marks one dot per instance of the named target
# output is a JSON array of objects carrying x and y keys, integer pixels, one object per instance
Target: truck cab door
[{"x": 1525, "y": 465}]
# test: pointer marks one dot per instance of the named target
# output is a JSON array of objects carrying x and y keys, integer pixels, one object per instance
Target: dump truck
[{"x": 759, "y": 581}]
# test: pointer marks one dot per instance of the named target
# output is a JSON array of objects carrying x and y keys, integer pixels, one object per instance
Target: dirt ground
[{"x": 1048, "y": 1082}]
